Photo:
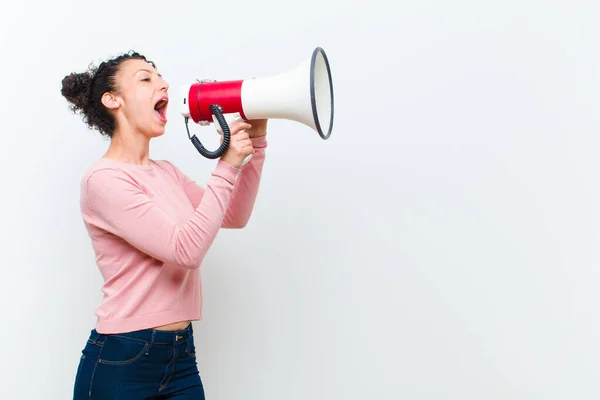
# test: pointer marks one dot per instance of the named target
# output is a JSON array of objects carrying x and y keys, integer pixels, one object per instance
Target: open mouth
[{"x": 161, "y": 108}]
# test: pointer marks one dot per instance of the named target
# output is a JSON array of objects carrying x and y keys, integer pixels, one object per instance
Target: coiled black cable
[{"x": 217, "y": 111}]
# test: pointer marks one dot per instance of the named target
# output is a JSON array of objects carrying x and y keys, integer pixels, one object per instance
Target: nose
[{"x": 164, "y": 85}]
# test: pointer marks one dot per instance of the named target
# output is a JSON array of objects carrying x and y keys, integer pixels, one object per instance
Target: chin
[{"x": 157, "y": 132}]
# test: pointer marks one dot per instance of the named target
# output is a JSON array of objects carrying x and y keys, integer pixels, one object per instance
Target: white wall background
[{"x": 443, "y": 244}]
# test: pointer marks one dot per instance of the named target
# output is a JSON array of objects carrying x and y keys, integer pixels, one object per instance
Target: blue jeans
[{"x": 147, "y": 364}]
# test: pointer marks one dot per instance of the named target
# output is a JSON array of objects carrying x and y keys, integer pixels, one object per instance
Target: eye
[{"x": 146, "y": 79}]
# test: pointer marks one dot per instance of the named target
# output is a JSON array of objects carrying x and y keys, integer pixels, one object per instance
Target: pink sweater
[{"x": 151, "y": 227}]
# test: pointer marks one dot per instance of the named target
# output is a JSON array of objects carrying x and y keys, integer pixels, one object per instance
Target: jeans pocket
[{"x": 122, "y": 351}]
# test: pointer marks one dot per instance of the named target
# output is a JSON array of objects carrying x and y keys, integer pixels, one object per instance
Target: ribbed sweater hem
[{"x": 124, "y": 325}]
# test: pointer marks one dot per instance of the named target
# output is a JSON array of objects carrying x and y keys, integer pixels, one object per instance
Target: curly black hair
[{"x": 84, "y": 91}]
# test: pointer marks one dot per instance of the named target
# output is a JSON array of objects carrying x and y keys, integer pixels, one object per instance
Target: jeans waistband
[{"x": 152, "y": 336}]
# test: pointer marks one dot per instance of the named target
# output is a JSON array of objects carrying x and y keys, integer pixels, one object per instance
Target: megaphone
[{"x": 304, "y": 95}]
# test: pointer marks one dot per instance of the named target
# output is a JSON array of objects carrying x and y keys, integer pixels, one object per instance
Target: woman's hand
[{"x": 240, "y": 145}]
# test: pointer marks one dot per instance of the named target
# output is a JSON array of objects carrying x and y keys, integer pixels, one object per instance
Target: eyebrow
[{"x": 147, "y": 70}]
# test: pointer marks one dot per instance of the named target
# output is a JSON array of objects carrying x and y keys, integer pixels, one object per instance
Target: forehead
[{"x": 130, "y": 68}]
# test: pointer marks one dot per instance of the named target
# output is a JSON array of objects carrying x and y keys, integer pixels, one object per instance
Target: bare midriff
[{"x": 177, "y": 326}]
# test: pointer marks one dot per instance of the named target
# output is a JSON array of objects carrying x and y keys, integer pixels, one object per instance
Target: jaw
[
  {"x": 150, "y": 125},
  {"x": 158, "y": 126}
]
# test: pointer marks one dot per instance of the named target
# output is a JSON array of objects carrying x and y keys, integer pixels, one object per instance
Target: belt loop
[
  {"x": 94, "y": 335},
  {"x": 151, "y": 342},
  {"x": 98, "y": 337}
]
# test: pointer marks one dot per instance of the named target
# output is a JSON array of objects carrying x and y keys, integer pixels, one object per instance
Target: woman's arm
[
  {"x": 114, "y": 202},
  {"x": 245, "y": 189}
]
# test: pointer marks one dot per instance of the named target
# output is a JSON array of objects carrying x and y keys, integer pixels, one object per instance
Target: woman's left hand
[{"x": 259, "y": 128}]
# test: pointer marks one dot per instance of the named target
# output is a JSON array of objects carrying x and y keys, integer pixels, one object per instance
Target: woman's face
[{"x": 140, "y": 104}]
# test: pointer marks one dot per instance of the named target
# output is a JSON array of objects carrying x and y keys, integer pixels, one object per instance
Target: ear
[{"x": 110, "y": 101}]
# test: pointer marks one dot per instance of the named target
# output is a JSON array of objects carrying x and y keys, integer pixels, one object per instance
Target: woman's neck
[{"x": 130, "y": 148}]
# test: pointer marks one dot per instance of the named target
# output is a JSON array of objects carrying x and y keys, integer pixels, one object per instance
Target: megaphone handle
[
  {"x": 226, "y": 136},
  {"x": 248, "y": 157},
  {"x": 231, "y": 119}
]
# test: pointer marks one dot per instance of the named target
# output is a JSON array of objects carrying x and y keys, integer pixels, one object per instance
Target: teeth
[{"x": 160, "y": 104}]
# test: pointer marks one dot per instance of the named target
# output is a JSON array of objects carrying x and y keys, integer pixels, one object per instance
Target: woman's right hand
[{"x": 240, "y": 145}]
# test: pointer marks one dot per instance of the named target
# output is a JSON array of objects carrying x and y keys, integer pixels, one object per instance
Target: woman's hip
[{"x": 136, "y": 365}]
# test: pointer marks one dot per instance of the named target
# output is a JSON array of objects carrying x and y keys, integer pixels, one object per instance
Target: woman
[{"x": 150, "y": 226}]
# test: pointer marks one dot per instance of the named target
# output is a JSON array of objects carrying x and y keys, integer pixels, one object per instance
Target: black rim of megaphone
[{"x": 313, "y": 98}]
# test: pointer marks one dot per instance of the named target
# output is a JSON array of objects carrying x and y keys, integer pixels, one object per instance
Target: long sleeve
[
  {"x": 115, "y": 202},
  {"x": 245, "y": 189}
]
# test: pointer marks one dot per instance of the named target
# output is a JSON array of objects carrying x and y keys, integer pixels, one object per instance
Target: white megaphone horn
[{"x": 304, "y": 94}]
